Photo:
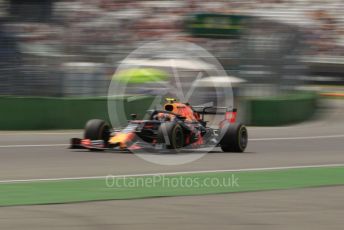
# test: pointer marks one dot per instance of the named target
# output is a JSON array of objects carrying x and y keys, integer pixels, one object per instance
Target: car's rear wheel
[
  {"x": 234, "y": 138},
  {"x": 171, "y": 135},
  {"x": 97, "y": 129}
]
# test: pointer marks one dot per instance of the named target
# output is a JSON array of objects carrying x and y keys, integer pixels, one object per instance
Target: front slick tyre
[
  {"x": 97, "y": 129},
  {"x": 171, "y": 134},
  {"x": 234, "y": 139}
]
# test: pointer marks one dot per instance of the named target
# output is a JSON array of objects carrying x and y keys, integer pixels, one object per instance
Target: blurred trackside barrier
[
  {"x": 281, "y": 110},
  {"x": 37, "y": 113},
  {"x": 34, "y": 113}
]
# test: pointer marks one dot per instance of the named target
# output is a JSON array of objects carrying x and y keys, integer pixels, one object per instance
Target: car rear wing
[{"x": 230, "y": 113}]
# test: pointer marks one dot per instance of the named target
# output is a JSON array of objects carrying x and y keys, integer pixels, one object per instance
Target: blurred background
[{"x": 62, "y": 48}]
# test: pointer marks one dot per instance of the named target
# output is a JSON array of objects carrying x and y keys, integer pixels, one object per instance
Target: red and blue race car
[{"x": 177, "y": 126}]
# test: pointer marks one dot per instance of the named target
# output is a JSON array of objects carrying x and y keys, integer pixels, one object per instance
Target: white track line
[
  {"x": 38, "y": 145},
  {"x": 297, "y": 138},
  {"x": 253, "y": 139},
  {"x": 171, "y": 173},
  {"x": 39, "y": 133}
]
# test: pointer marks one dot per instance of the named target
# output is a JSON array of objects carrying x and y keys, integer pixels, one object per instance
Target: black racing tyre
[
  {"x": 234, "y": 138},
  {"x": 171, "y": 134},
  {"x": 97, "y": 129}
]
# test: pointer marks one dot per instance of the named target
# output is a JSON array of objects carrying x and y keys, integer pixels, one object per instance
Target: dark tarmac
[{"x": 43, "y": 154}]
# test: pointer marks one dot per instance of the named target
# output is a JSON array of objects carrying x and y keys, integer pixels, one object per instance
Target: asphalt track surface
[
  {"x": 44, "y": 154},
  {"x": 312, "y": 208},
  {"x": 32, "y": 155}
]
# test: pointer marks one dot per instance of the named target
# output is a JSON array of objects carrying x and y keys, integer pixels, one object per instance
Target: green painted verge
[{"x": 65, "y": 191}]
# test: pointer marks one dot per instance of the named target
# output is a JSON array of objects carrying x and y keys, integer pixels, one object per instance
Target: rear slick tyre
[
  {"x": 171, "y": 135},
  {"x": 234, "y": 139}
]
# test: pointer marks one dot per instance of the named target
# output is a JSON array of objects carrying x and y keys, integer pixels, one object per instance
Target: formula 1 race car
[{"x": 178, "y": 126}]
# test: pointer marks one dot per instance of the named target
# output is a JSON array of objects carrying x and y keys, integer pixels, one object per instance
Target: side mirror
[{"x": 133, "y": 116}]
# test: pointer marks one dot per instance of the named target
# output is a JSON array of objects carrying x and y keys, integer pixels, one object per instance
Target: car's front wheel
[{"x": 97, "y": 129}]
